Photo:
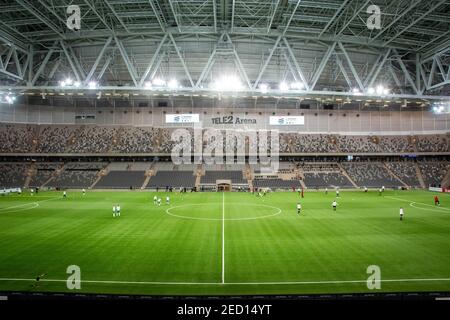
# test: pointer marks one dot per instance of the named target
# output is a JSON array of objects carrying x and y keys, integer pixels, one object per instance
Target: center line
[{"x": 223, "y": 238}]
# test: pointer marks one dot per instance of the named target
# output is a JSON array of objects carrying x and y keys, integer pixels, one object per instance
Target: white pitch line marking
[
  {"x": 415, "y": 202},
  {"x": 223, "y": 238},
  {"x": 230, "y": 283},
  {"x": 25, "y": 206},
  {"x": 169, "y": 212}
]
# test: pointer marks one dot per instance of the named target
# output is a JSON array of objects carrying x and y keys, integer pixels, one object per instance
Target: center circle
[{"x": 204, "y": 211}]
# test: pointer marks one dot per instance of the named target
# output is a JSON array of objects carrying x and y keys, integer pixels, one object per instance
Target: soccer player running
[
  {"x": 334, "y": 205},
  {"x": 155, "y": 200},
  {"x": 64, "y": 194},
  {"x": 159, "y": 202},
  {"x": 84, "y": 192},
  {"x": 299, "y": 208},
  {"x": 326, "y": 190},
  {"x": 337, "y": 193},
  {"x": 118, "y": 210},
  {"x": 167, "y": 200},
  {"x": 402, "y": 213},
  {"x": 380, "y": 192},
  {"x": 436, "y": 201}
]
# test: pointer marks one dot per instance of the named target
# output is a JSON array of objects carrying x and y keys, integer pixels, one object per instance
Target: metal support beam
[
  {"x": 69, "y": 59},
  {"x": 175, "y": 15},
  {"x": 104, "y": 68},
  {"x": 414, "y": 22},
  {"x": 152, "y": 61},
  {"x": 352, "y": 67},
  {"x": 406, "y": 72},
  {"x": 291, "y": 17},
  {"x": 380, "y": 67},
  {"x": 97, "y": 61},
  {"x": 126, "y": 59},
  {"x": 272, "y": 17},
  {"x": 43, "y": 64},
  {"x": 296, "y": 65},
  {"x": 206, "y": 69},
  {"x": 266, "y": 63},
  {"x": 182, "y": 60},
  {"x": 41, "y": 16},
  {"x": 322, "y": 65}
]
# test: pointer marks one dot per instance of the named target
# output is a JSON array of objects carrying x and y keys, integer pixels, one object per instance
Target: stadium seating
[
  {"x": 44, "y": 171},
  {"x": 174, "y": 179},
  {"x": 110, "y": 139},
  {"x": 121, "y": 180},
  {"x": 211, "y": 177},
  {"x": 326, "y": 179},
  {"x": 76, "y": 179},
  {"x": 276, "y": 183},
  {"x": 12, "y": 175},
  {"x": 371, "y": 175},
  {"x": 406, "y": 172},
  {"x": 433, "y": 172}
]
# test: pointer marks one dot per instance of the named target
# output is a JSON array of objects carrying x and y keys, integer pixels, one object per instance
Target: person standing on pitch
[
  {"x": 155, "y": 200},
  {"x": 167, "y": 200},
  {"x": 334, "y": 205},
  {"x": 118, "y": 210},
  {"x": 337, "y": 193},
  {"x": 114, "y": 211},
  {"x": 326, "y": 190},
  {"x": 64, "y": 194},
  {"x": 402, "y": 213},
  {"x": 436, "y": 201},
  {"x": 84, "y": 192},
  {"x": 299, "y": 208}
]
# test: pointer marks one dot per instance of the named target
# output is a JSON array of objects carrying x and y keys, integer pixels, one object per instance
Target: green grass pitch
[{"x": 225, "y": 244}]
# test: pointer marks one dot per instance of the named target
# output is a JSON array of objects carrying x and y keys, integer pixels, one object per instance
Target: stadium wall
[{"x": 316, "y": 121}]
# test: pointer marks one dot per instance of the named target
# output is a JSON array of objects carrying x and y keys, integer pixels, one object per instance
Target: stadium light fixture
[
  {"x": 8, "y": 99},
  {"x": 284, "y": 86},
  {"x": 158, "y": 82},
  {"x": 297, "y": 86},
  {"x": 173, "y": 84},
  {"x": 77, "y": 84},
  {"x": 93, "y": 85},
  {"x": 228, "y": 83},
  {"x": 264, "y": 87},
  {"x": 356, "y": 92},
  {"x": 148, "y": 85}
]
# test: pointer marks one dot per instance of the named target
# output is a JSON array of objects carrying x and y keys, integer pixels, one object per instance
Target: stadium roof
[{"x": 325, "y": 46}]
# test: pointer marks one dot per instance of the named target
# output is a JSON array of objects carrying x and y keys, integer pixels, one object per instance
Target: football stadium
[{"x": 224, "y": 147}]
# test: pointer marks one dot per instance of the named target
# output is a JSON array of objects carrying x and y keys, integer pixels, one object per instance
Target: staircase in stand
[
  {"x": 394, "y": 175},
  {"x": 420, "y": 176},
  {"x": 345, "y": 174}
]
